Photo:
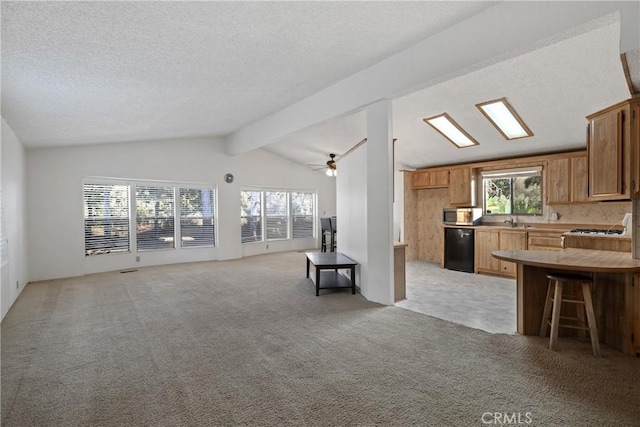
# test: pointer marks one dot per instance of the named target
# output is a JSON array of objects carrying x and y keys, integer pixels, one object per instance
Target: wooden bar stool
[{"x": 583, "y": 303}]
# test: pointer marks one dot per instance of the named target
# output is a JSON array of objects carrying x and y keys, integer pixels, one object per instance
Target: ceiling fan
[{"x": 330, "y": 166}]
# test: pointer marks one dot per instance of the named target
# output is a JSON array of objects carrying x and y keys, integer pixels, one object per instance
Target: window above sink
[{"x": 512, "y": 191}]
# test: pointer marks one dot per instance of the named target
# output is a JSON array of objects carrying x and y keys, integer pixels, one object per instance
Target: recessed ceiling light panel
[
  {"x": 448, "y": 128},
  {"x": 502, "y": 115}
]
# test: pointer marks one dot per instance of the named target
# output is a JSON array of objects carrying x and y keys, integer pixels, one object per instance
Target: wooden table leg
[
  {"x": 307, "y": 266},
  {"x": 317, "y": 281}
]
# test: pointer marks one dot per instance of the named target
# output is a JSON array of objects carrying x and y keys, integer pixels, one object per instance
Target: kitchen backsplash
[{"x": 603, "y": 213}]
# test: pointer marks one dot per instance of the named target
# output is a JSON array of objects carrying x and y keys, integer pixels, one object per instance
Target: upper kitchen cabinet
[
  {"x": 461, "y": 186},
  {"x": 430, "y": 178},
  {"x": 566, "y": 179},
  {"x": 558, "y": 177},
  {"x": 610, "y": 142},
  {"x": 579, "y": 179},
  {"x": 635, "y": 142}
]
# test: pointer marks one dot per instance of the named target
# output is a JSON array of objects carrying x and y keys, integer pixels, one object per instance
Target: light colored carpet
[{"x": 247, "y": 342}]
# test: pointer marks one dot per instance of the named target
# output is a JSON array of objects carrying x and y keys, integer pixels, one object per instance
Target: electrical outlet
[
  {"x": 17, "y": 284},
  {"x": 267, "y": 246},
  {"x": 138, "y": 258}
]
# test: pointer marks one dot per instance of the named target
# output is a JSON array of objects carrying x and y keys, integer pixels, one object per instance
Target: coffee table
[{"x": 331, "y": 279}]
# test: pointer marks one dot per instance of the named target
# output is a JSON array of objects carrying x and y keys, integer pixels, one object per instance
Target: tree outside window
[{"x": 520, "y": 194}]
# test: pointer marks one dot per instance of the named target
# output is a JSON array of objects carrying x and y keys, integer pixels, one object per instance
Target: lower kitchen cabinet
[
  {"x": 545, "y": 240},
  {"x": 635, "y": 335},
  {"x": 488, "y": 241},
  {"x": 511, "y": 241}
]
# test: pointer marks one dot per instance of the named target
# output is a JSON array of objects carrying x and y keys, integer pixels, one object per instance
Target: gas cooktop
[{"x": 595, "y": 231}]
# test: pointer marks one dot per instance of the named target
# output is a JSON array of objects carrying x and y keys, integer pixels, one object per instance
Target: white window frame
[
  {"x": 289, "y": 191},
  {"x": 214, "y": 213},
  {"x": 133, "y": 246},
  {"x": 106, "y": 181},
  {"x": 511, "y": 173}
]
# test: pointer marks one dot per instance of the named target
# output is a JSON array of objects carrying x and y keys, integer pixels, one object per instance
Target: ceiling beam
[{"x": 504, "y": 31}]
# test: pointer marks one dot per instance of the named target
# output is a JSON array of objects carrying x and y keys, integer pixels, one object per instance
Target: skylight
[
  {"x": 502, "y": 115},
  {"x": 451, "y": 130}
]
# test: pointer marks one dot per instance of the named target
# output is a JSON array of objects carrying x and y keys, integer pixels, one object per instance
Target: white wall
[
  {"x": 55, "y": 199},
  {"x": 351, "y": 196},
  {"x": 398, "y": 206},
  {"x": 13, "y": 181}
]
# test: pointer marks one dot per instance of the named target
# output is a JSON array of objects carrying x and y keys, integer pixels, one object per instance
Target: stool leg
[
  {"x": 580, "y": 310},
  {"x": 591, "y": 318},
  {"x": 555, "y": 317},
  {"x": 546, "y": 314}
]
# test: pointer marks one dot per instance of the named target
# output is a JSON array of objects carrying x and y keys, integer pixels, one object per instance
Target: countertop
[
  {"x": 550, "y": 228},
  {"x": 574, "y": 259}
]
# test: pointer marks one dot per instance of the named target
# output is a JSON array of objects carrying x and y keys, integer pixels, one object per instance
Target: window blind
[
  {"x": 106, "y": 218},
  {"x": 154, "y": 217},
  {"x": 276, "y": 215},
  {"x": 196, "y": 217},
  {"x": 511, "y": 173},
  {"x": 302, "y": 214},
  {"x": 251, "y": 216}
]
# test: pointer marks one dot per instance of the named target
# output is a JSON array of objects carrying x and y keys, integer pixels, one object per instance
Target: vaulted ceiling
[
  {"x": 100, "y": 72},
  {"x": 552, "y": 88}
]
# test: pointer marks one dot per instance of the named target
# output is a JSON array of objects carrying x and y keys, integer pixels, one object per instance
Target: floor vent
[{"x": 128, "y": 271}]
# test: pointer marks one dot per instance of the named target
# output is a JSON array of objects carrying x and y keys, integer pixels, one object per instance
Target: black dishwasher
[{"x": 458, "y": 249}]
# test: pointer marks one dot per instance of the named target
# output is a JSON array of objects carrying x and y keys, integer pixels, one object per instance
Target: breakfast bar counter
[{"x": 616, "y": 292}]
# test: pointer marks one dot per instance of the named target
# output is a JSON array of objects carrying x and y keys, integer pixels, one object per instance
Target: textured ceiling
[
  {"x": 633, "y": 63},
  {"x": 552, "y": 88},
  {"x": 91, "y": 72}
]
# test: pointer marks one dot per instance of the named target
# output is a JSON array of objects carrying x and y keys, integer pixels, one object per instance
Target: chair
[
  {"x": 334, "y": 231},
  {"x": 583, "y": 301},
  {"x": 325, "y": 225}
]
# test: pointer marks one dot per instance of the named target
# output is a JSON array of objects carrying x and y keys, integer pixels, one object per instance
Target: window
[
  {"x": 286, "y": 215},
  {"x": 513, "y": 192},
  {"x": 154, "y": 217},
  {"x": 251, "y": 216},
  {"x": 106, "y": 218},
  {"x": 196, "y": 217},
  {"x": 277, "y": 215},
  {"x": 302, "y": 214}
]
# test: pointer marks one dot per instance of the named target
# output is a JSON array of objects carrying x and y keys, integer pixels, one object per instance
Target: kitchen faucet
[{"x": 510, "y": 221}]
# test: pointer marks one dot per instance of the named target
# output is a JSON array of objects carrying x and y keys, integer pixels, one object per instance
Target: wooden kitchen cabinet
[
  {"x": 579, "y": 179},
  {"x": 486, "y": 241},
  {"x": 545, "y": 240},
  {"x": 462, "y": 187},
  {"x": 635, "y": 142},
  {"x": 635, "y": 334},
  {"x": 566, "y": 179},
  {"x": 430, "y": 178},
  {"x": 489, "y": 240},
  {"x": 609, "y": 153},
  {"x": 511, "y": 240},
  {"x": 558, "y": 180}
]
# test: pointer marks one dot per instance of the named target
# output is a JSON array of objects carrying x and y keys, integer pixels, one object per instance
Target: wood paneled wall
[{"x": 423, "y": 222}]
